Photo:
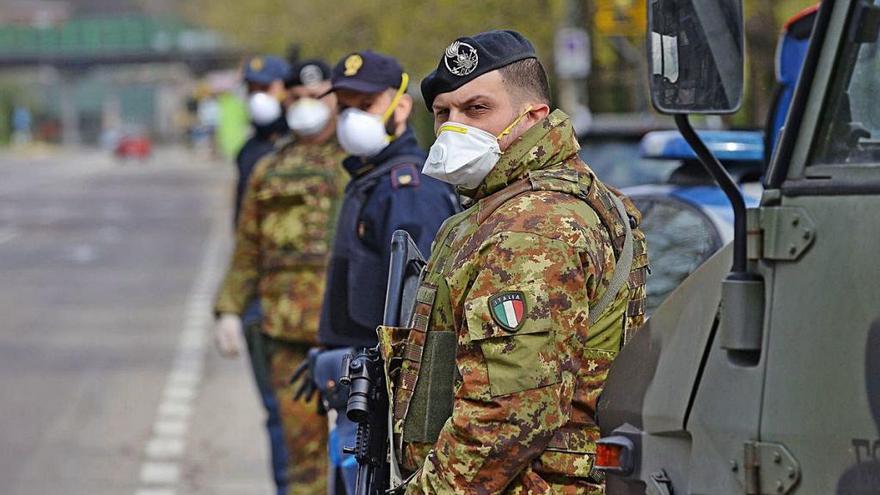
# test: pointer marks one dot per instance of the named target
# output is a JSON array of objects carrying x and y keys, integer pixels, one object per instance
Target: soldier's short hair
[{"x": 527, "y": 79}]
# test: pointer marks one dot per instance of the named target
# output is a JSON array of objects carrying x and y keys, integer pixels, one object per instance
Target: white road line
[
  {"x": 170, "y": 428},
  {"x": 165, "y": 448},
  {"x": 155, "y": 491},
  {"x": 160, "y": 471},
  {"x": 169, "y": 409},
  {"x": 180, "y": 392}
]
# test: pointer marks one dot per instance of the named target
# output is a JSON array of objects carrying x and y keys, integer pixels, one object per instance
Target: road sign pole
[{"x": 572, "y": 62}]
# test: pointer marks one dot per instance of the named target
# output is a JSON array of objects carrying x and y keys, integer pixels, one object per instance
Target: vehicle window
[
  {"x": 619, "y": 163},
  {"x": 680, "y": 238},
  {"x": 849, "y": 130}
]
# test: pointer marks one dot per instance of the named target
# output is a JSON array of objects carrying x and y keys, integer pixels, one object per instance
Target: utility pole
[
  {"x": 573, "y": 59},
  {"x": 69, "y": 111}
]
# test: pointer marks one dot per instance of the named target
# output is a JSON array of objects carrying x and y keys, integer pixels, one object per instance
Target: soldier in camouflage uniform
[
  {"x": 538, "y": 284},
  {"x": 282, "y": 243}
]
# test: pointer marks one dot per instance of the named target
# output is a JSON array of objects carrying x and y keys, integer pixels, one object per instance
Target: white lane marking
[
  {"x": 180, "y": 377},
  {"x": 155, "y": 491},
  {"x": 160, "y": 470},
  {"x": 170, "y": 428},
  {"x": 160, "y": 473},
  {"x": 182, "y": 393},
  {"x": 165, "y": 448}
]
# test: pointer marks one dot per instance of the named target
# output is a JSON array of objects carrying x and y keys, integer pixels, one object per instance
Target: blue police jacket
[
  {"x": 255, "y": 148},
  {"x": 386, "y": 193}
]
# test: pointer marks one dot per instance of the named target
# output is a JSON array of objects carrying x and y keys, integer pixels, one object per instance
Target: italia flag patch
[{"x": 507, "y": 309}]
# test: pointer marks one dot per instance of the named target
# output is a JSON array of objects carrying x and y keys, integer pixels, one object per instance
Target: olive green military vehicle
[{"x": 760, "y": 374}]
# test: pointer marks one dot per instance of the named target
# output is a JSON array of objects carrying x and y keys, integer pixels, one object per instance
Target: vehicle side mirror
[{"x": 695, "y": 53}]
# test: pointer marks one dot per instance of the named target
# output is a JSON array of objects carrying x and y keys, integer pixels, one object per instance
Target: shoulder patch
[
  {"x": 405, "y": 175},
  {"x": 507, "y": 309}
]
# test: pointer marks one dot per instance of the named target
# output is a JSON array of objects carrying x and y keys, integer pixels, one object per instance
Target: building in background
[{"x": 88, "y": 70}]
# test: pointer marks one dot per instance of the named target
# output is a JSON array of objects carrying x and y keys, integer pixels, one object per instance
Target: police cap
[
  {"x": 367, "y": 72},
  {"x": 469, "y": 57},
  {"x": 308, "y": 72},
  {"x": 265, "y": 69}
]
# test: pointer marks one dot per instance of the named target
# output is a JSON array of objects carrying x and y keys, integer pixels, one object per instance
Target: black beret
[
  {"x": 308, "y": 72},
  {"x": 469, "y": 57}
]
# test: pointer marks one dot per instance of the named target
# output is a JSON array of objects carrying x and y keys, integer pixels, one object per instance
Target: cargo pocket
[
  {"x": 567, "y": 463},
  {"x": 518, "y": 345},
  {"x": 596, "y": 365}
]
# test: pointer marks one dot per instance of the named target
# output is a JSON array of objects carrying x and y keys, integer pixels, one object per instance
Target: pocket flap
[
  {"x": 514, "y": 330},
  {"x": 569, "y": 463}
]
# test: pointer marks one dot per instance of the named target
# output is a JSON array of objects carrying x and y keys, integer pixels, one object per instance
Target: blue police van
[{"x": 686, "y": 216}]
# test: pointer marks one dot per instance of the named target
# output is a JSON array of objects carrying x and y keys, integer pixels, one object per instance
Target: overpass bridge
[{"x": 74, "y": 48}]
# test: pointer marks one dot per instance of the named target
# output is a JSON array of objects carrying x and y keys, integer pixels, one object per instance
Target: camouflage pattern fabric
[
  {"x": 305, "y": 432},
  {"x": 283, "y": 238},
  {"x": 513, "y": 277}
]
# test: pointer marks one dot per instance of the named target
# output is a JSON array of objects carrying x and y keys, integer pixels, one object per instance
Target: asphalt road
[{"x": 108, "y": 377}]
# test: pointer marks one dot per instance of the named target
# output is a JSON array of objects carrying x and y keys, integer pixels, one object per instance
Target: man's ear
[
  {"x": 404, "y": 107},
  {"x": 402, "y": 113},
  {"x": 538, "y": 112}
]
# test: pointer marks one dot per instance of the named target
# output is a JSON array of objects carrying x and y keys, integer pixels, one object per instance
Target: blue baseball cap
[
  {"x": 366, "y": 72},
  {"x": 265, "y": 69}
]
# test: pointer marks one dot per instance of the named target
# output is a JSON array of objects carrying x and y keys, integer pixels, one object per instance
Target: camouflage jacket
[
  {"x": 283, "y": 238},
  {"x": 513, "y": 277}
]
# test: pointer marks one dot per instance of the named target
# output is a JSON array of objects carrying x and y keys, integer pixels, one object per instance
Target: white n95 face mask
[
  {"x": 308, "y": 116},
  {"x": 263, "y": 108},
  {"x": 361, "y": 133},
  {"x": 463, "y": 155}
]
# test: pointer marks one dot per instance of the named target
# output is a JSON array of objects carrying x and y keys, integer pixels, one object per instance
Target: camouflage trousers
[
  {"x": 305, "y": 431},
  {"x": 531, "y": 483}
]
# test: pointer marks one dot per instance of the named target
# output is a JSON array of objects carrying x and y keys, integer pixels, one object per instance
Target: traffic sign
[
  {"x": 621, "y": 17},
  {"x": 571, "y": 54}
]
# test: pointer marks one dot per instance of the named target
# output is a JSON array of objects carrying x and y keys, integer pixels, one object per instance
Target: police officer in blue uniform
[
  {"x": 387, "y": 192},
  {"x": 266, "y": 79}
]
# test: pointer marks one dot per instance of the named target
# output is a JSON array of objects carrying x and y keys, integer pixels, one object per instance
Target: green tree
[{"x": 416, "y": 32}]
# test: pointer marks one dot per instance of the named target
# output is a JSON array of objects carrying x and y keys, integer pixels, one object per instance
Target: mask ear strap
[
  {"x": 404, "y": 82},
  {"x": 513, "y": 124}
]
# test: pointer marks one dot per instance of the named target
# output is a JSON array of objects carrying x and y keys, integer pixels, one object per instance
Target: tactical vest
[
  {"x": 422, "y": 360},
  {"x": 355, "y": 294},
  {"x": 295, "y": 198}
]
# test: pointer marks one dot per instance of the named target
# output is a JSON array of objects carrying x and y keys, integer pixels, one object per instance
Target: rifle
[{"x": 368, "y": 396}]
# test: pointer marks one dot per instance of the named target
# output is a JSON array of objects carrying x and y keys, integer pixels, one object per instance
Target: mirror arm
[{"x": 727, "y": 184}]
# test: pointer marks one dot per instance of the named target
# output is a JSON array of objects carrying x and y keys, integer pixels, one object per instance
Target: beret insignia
[
  {"x": 461, "y": 58},
  {"x": 310, "y": 74}
]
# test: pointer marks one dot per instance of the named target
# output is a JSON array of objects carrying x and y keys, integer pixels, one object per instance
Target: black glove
[{"x": 305, "y": 373}]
